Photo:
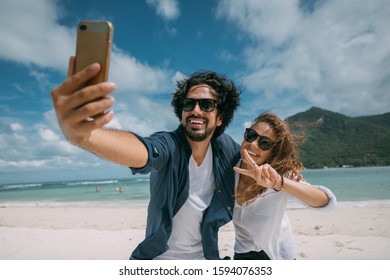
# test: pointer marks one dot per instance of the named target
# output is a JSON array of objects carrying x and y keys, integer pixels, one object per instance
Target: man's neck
[{"x": 199, "y": 149}]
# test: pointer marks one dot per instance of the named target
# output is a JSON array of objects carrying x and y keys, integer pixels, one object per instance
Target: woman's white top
[{"x": 263, "y": 224}]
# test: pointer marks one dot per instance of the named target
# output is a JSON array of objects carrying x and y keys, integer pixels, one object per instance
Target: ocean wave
[
  {"x": 142, "y": 180},
  {"x": 20, "y": 186},
  {"x": 347, "y": 204},
  {"x": 92, "y": 183},
  {"x": 363, "y": 204},
  {"x": 76, "y": 204}
]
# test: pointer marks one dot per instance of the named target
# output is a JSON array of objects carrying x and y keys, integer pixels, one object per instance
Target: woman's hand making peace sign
[{"x": 264, "y": 174}]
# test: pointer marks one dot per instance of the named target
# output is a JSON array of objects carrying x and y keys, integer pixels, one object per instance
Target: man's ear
[{"x": 219, "y": 120}]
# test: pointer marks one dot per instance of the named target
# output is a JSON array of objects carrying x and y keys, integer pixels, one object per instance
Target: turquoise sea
[{"x": 350, "y": 185}]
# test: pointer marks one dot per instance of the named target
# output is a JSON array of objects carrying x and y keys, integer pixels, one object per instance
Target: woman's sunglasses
[
  {"x": 205, "y": 104},
  {"x": 265, "y": 143}
]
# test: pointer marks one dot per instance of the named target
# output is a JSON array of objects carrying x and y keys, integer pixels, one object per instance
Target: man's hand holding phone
[
  {"x": 81, "y": 101},
  {"x": 76, "y": 104}
]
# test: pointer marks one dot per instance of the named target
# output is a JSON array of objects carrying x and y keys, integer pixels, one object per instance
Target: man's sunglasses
[
  {"x": 265, "y": 143},
  {"x": 205, "y": 104}
]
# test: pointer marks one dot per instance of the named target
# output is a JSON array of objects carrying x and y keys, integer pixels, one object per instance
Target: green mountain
[{"x": 344, "y": 141}]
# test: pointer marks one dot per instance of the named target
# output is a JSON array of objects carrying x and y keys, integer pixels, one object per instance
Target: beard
[{"x": 198, "y": 135}]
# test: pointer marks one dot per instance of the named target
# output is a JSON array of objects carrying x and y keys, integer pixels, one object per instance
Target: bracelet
[
  {"x": 281, "y": 185},
  {"x": 275, "y": 184}
]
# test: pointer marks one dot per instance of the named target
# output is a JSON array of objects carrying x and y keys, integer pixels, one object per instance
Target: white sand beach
[{"x": 107, "y": 233}]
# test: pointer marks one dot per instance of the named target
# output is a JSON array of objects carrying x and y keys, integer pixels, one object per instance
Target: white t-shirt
[
  {"x": 185, "y": 241},
  {"x": 264, "y": 225}
]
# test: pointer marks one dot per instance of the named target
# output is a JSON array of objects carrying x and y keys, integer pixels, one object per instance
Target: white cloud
[
  {"x": 132, "y": 76},
  {"x": 178, "y": 76},
  {"x": 48, "y": 135},
  {"x": 15, "y": 143},
  {"x": 50, "y": 119},
  {"x": 22, "y": 163},
  {"x": 16, "y": 127},
  {"x": 43, "y": 80},
  {"x": 52, "y": 143},
  {"x": 270, "y": 20},
  {"x": 167, "y": 9},
  {"x": 39, "y": 147},
  {"x": 30, "y": 33},
  {"x": 335, "y": 56},
  {"x": 145, "y": 116}
]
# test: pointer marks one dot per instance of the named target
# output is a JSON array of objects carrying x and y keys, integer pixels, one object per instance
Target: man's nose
[{"x": 197, "y": 108}]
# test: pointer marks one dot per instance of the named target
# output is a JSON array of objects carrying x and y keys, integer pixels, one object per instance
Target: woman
[{"x": 268, "y": 176}]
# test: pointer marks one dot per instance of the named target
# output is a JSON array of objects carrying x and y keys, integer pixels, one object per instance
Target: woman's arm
[{"x": 308, "y": 194}]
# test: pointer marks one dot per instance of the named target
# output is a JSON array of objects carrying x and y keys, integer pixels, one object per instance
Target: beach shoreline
[{"x": 350, "y": 232}]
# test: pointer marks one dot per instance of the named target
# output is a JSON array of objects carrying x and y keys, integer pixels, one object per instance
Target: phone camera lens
[{"x": 83, "y": 27}]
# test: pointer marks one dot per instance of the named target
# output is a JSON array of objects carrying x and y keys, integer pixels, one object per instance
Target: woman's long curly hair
[{"x": 284, "y": 157}]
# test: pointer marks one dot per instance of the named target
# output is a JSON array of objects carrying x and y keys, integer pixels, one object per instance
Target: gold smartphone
[{"x": 94, "y": 43}]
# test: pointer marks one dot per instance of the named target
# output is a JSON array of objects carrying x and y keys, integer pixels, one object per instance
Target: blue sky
[{"x": 287, "y": 55}]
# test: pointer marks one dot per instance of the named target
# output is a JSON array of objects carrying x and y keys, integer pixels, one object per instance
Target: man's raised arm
[{"x": 75, "y": 106}]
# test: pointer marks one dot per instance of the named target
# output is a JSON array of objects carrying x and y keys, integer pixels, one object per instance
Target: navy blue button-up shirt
[{"x": 169, "y": 154}]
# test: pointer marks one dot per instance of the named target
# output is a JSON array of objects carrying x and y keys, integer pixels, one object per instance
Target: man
[{"x": 191, "y": 168}]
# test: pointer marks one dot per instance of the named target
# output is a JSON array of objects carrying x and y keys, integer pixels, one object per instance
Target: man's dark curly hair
[{"x": 227, "y": 93}]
